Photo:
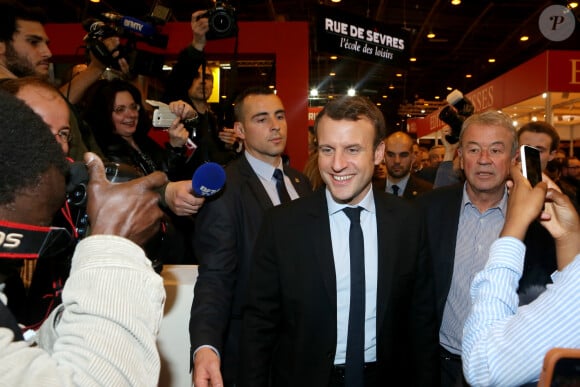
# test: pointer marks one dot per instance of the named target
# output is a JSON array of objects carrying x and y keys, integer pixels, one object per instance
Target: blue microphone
[{"x": 208, "y": 179}]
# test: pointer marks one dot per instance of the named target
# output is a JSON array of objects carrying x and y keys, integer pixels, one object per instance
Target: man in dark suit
[
  {"x": 226, "y": 231},
  {"x": 399, "y": 159},
  {"x": 463, "y": 220},
  {"x": 310, "y": 319}
]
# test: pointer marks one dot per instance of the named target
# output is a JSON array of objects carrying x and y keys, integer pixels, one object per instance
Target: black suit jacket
[
  {"x": 289, "y": 328},
  {"x": 225, "y": 231},
  {"x": 442, "y": 207},
  {"x": 416, "y": 186}
]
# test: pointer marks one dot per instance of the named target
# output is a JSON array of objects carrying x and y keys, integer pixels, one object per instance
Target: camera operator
[
  {"x": 191, "y": 81},
  {"x": 113, "y": 300},
  {"x": 24, "y": 51}
]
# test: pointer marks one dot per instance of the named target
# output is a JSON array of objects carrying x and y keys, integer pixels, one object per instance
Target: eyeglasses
[
  {"x": 64, "y": 135},
  {"x": 120, "y": 109}
]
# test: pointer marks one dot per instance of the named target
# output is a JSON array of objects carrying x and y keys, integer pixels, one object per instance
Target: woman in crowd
[{"x": 115, "y": 113}]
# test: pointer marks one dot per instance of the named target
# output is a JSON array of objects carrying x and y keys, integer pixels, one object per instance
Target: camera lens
[{"x": 221, "y": 23}]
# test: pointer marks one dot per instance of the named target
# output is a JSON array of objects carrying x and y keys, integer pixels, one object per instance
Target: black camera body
[
  {"x": 459, "y": 108},
  {"x": 222, "y": 21}
]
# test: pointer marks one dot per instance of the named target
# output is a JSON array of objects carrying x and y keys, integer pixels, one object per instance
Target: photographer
[
  {"x": 113, "y": 300},
  {"x": 191, "y": 81}
]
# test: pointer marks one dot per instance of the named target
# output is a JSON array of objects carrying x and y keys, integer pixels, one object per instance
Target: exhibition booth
[{"x": 545, "y": 88}]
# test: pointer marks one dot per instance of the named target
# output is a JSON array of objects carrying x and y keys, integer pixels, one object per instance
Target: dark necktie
[
  {"x": 281, "y": 187},
  {"x": 395, "y": 189},
  {"x": 355, "y": 356}
]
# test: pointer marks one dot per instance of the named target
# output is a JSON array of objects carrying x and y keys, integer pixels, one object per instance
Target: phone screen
[{"x": 531, "y": 165}]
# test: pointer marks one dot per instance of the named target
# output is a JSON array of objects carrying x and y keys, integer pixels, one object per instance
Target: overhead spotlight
[
  {"x": 455, "y": 2},
  {"x": 412, "y": 59},
  {"x": 468, "y": 75},
  {"x": 351, "y": 92},
  {"x": 399, "y": 75},
  {"x": 524, "y": 38},
  {"x": 95, "y": 1},
  {"x": 391, "y": 87},
  {"x": 572, "y": 4},
  {"x": 333, "y": 57},
  {"x": 332, "y": 74},
  {"x": 491, "y": 60},
  {"x": 314, "y": 93},
  {"x": 431, "y": 35}
]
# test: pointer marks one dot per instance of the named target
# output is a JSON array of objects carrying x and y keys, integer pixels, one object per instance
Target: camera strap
[{"x": 25, "y": 241}]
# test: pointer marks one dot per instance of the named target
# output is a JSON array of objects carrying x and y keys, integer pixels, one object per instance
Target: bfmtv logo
[{"x": 206, "y": 191}]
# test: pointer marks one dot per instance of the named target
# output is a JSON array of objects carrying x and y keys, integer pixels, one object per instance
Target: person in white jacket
[{"x": 104, "y": 332}]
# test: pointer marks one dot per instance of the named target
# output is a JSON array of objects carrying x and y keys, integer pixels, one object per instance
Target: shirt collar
[
  {"x": 501, "y": 205},
  {"x": 262, "y": 169},
  {"x": 368, "y": 203}
]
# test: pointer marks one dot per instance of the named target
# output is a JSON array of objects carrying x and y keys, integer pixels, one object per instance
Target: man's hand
[
  {"x": 199, "y": 27},
  {"x": 228, "y": 136},
  {"x": 561, "y": 220},
  {"x": 128, "y": 209},
  {"x": 179, "y": 198},
  {"x": 206, "y": 369},
  {"x": 524, "y": 204}
]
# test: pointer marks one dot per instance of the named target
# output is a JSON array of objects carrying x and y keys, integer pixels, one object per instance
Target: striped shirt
[
  {"x": 505, "y": 345},
  {"x": 475, "y": 234}
]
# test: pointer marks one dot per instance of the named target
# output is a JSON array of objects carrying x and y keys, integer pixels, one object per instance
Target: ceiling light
[
  {"x": 351, "y": 92},
  {"x": 491, "y": 60},
  {"x": 95, "y": 1},
  {"x": 335, "y": 1},
  {"x": 332, "y": 74},
  {"x": 314, "y": 93},
  {"x": 524, "y": 38},
  {"x": 385, "y": 96},
  {"x": 455, "y": 2},
  {"x": 572, "y": 4},
  {"x": 430, "y": 35},
  {"x": 391, "y": 87},
  {"x": 413, "y": 59},
  {"x": 468, "y": 75},
  {"x": 333, "y": 57},
  {"x": 398, "y": 75}
]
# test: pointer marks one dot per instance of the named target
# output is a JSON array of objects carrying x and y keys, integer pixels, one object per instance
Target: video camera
[
  {"x": 459, "y": 108},
  {"x": 133, "y": 30},
  {"x": 222, "y": 21}
]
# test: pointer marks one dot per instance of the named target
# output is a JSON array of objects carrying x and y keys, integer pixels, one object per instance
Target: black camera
[
  {"x": 133, "y": 30},
  {"x": 459, "y": 108},
  {"x": 222, "y": 21}
]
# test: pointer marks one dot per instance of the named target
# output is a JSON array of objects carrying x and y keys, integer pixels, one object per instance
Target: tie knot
[
  {"x": 353, "y": 213},
  {"x": 395, "y": 189},
  {"x": 278, "y": 175}
]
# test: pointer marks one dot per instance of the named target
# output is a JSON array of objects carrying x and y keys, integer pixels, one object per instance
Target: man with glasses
[{"x": 47, "y": 102}]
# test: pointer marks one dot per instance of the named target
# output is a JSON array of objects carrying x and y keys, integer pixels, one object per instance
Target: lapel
[
  {"x": 318, "y": 226},
  {"x": 251, "y": 179},
  {"x": 387, "y": 241}
]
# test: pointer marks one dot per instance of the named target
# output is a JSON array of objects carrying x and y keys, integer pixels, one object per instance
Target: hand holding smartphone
[{"x": 531, "y": 165}]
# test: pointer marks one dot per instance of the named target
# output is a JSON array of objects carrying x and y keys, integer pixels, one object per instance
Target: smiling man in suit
[
  {"x": 334, "y": 301},
  {"x": 226, "y": 229}
]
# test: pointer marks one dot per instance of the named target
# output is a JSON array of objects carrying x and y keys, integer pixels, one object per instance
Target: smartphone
[
  {"x": 531, "y": 165},
  {"x": 561, "y": 368},
  {"x": 163, "y": 117}
]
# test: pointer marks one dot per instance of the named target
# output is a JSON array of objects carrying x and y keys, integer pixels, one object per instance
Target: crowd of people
[{"x": 385, "y": 262}]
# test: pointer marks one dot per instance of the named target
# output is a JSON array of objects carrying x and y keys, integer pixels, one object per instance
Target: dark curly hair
[
  {"x": 28, "y": 149},
  {"x": 98, "y": 108}
]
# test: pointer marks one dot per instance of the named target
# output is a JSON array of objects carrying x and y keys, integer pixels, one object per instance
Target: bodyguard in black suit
[
  {"x": 226, "y": 230},
  {"x": 308, "y": 320},
  {"x": 399, "y": 159},
  {"x": 487, "y": 149}
]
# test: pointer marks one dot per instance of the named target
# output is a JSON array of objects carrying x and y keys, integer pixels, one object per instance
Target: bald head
[{"x": 399, "y": 155}]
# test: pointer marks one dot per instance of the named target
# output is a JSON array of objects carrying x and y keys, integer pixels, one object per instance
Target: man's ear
[{"x": 239, "y": 129}]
